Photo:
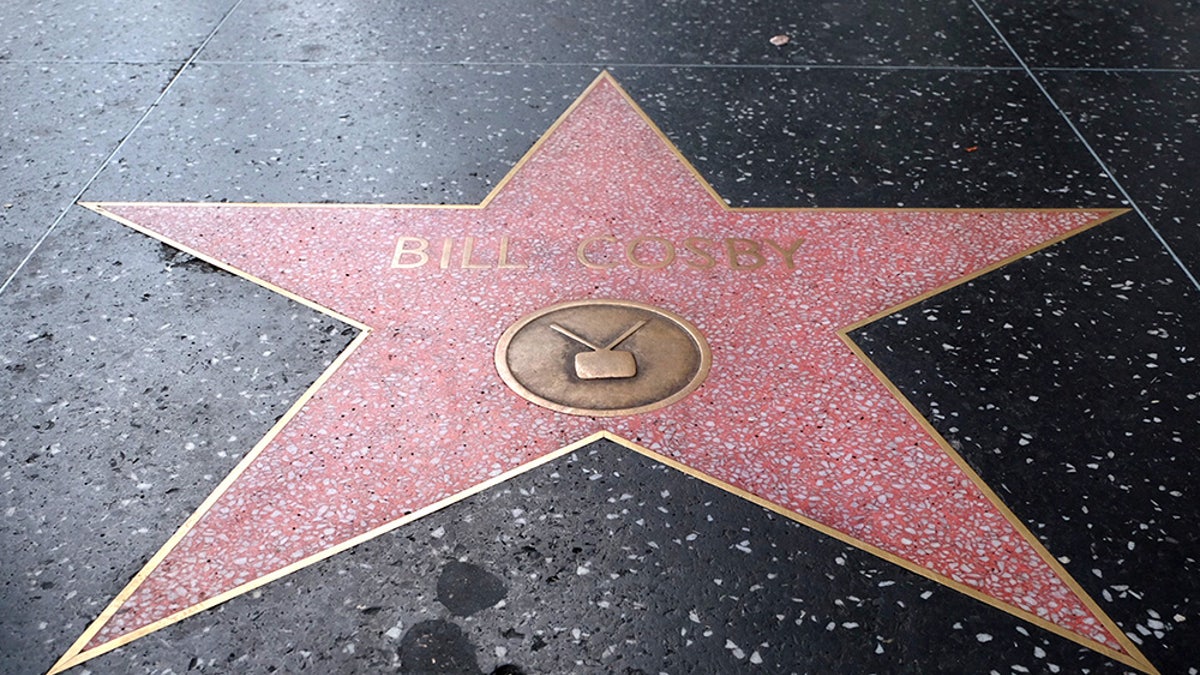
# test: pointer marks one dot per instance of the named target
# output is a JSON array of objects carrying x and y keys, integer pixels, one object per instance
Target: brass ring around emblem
[{"x": 603, "y": 358}]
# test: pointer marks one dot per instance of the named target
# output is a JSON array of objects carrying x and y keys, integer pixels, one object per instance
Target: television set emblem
[{"x": 603, "y": 358}]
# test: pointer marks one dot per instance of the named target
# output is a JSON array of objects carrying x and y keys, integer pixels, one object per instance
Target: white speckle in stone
[
  {"x": 737, "y": 651},
  {"x": 983, "y": 637}
]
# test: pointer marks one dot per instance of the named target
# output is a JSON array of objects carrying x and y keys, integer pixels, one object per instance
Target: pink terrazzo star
[{"x": 416, "y": 413}]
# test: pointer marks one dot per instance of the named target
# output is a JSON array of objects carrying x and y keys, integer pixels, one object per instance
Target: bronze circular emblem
[{"x": 603, "y": 358}]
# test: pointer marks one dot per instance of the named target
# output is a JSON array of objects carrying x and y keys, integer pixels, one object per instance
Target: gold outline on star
[{"x": 77, "y": 654}]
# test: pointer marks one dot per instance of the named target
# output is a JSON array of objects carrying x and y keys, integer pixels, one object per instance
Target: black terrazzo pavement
[
  {"x": 852, "y": 137},
  {"x": 131, "y": 31},
  {"x": 604, "y": 561},
  {"x": 329, "y": 133},
  {"x": 1079, "y": 34},
  {"x": 135, "y": 377},
  {"x": 1155, "y": 159},
  {"x": 60, "y": 121},
  {"x": 132, "y": 395},
  {"x": 904, "y": 32},
  {"x": 1085, "y": 422}
]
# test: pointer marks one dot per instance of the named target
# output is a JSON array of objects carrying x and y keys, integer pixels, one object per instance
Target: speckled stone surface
[
  {"x": 389, "y": 434},
  {"x": 132, "y": 388},
  {"x": 1081, "y": 34},
  {"x": 604, "y": 561},
  {"x": 318, "y": 102},
  {"x": 1155, "y": 158},
  {"x": 739, "y": 127},
  {"x": 133, "y": 31},
  {"x": 853, "y": 137},
  {"x": 320, "y": 133},
  {"x": 60, "y": 121},
  {"x": 1112, "y": 493},
  {"x": 905, "y": 32}
]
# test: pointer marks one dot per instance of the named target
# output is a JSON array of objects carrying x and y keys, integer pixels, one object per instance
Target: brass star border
[{"x": 80, "y": 651}]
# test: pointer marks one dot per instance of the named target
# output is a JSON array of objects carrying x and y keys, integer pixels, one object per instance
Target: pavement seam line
[
  {"x": 116, "y": 150},
  {"x": 1082, "y": 139}
]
